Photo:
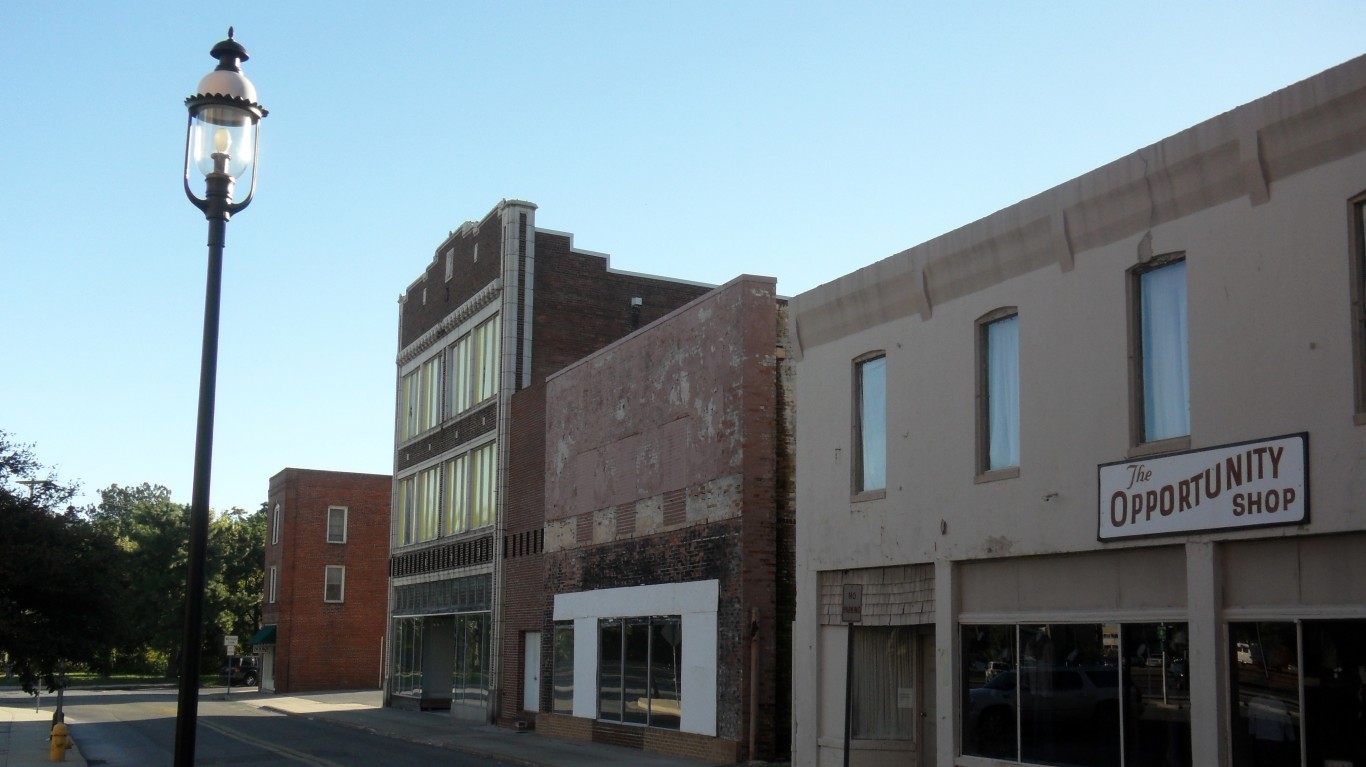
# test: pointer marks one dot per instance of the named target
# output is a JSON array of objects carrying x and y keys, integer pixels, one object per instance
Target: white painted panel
[
  {"x": 657, "y": 599},
  {"x": 699, "y": 673},
  {"x": 586, "y": 667}
]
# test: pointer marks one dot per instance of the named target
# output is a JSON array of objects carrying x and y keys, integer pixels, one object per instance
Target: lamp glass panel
[{"x": 225, "y": 130}]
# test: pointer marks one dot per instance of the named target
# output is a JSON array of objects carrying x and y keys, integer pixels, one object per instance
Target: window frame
[
  {"x": 275, "y": 526},
  {"x": 1356, "y": 214},
  {"x": 1140, "y": 444},
  {"x": 984, "y": 470},
  {"x": 857, "y": 489},
  {"x": 345, "y": 512},
  {"x": 328, "y": 570},
  {"x": 274, "y": 584}
]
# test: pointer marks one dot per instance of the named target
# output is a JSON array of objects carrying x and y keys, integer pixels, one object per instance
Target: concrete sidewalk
[
  {"x": 364, "y": 710},
  {"x": 24, "y": 738}
]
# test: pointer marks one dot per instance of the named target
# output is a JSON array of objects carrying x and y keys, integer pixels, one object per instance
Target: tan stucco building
[{"x": 1095, "y": 465}]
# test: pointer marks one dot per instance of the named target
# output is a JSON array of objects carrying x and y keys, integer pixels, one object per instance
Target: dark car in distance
[{"x": 241, "y": 671}]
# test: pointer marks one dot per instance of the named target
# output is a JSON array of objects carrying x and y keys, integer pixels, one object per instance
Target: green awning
[{"x": 265, "y": 636}]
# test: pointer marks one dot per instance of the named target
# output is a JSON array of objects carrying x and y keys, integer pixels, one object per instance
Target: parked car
[{"x": 241, "y": 671}]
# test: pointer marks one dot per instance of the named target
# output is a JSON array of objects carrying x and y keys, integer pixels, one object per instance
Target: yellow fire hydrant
[{"x": 61, "y": 741}]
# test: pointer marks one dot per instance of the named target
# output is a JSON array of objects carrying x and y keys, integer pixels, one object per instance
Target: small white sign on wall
[{"x": 1249, "y": 484}]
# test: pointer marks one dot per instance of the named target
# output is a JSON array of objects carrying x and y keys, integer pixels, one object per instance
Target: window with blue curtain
[
  {"x": 1165, "y": 369},
  {"x": 870, "y": 471},
  {"x": 1002, "y": 366}
]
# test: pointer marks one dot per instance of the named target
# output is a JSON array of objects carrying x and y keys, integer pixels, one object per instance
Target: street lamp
[{"x": 220, "y": 143}]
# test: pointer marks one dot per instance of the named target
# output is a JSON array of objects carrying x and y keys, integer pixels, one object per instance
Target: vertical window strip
[
  {"x": 1003, "y": 393},
  {"x": 460, "y": 390},
  {"x": 1165, "y": 370},
  {"x": 431, "y": 394},
  {"x": 429, "y": 496},
  {"x": 872, "y": 425},
  {"x": 457, "y": 500},
  {"x": 483, "y": 495},
  {"x": 411, "y": 404},
  {"x": 406, "y": 499}
]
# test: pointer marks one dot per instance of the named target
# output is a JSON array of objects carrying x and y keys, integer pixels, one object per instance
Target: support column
[
  {"x": 945, "y": 661},
  {"x": 1208, "y": 655}
]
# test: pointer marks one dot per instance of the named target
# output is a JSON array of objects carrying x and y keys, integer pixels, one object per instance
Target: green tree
[
  {"x": 235, "y": 575},
  {"x": 153, "y": 532},
  {"x": 56, "y": 597}
]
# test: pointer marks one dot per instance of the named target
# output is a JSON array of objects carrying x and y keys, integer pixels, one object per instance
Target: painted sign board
[{"x": 1247, "y": 484}]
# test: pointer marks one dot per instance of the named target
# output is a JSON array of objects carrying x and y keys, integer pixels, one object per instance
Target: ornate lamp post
[{"x": 220, "y": 143}]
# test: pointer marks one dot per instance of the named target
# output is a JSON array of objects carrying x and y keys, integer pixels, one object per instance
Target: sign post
[
  {"x": 851, "y": 612},
  {"x": 230, "y": 644}
]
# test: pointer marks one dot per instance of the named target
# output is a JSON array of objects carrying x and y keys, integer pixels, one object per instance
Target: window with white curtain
[
  {"x": 336, "y": 524},
  {"x": 883, "y": 683},
  {"x": 1163, "y": 378},
  {"x": 334, "y": 584},
  {"x": 999, "y": 390},
  {"x": 870, "y": 424}
]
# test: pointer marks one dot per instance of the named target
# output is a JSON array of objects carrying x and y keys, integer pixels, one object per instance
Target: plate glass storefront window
[
  {"x": 1075, "y": 693},
  {"x": 1299, "y": 693},
  {"x": 639, "y": 662},
  {"x": 407, "y": 656},
  {"x": 562, "y": 698}
]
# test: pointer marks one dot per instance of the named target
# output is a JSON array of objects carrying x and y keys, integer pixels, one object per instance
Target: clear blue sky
[{"x": 696, "y": 140}]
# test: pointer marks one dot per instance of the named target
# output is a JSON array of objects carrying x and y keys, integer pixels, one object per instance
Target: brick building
[
  {"x": 501, "y": 306},
  {"x": 668, "y": 534},
  {"x": 323, "y": 611}
]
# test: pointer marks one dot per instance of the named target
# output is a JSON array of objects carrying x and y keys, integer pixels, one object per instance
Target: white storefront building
[{"x": 1096, "y": 466}]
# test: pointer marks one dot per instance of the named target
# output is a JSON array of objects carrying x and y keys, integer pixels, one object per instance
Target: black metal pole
[
  {"x": 219, "y": 199},
  {"x": 848, "y": 692}
]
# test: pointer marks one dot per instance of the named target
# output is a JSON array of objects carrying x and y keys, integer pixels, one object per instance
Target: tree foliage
[
  {"x": 56, "y": 599},
  {"x": 104, "y": 587}
]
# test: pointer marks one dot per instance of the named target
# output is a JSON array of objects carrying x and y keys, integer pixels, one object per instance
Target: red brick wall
[
  {"x": 579, "y": 307},
  {"x": 416, "y": 315},
  {"x": 328, "y": 646},
  {"x": 688, "y": 404}
]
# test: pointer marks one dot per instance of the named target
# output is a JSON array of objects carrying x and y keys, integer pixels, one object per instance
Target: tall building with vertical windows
[
  {"x": 501, "y": 305},
  {"x": 1084, "y": 482},
  {"x": 323, "y": 610}
]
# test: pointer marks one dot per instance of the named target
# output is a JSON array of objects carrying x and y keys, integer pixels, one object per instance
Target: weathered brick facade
[
  {"x": 669, "y": 461},
  {"x": 327, "y": 645}
]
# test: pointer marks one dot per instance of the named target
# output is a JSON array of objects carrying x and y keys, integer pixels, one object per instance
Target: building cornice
[
  {"x": 450, "y": 322},
  {"x": 1241, "y": 153}
]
